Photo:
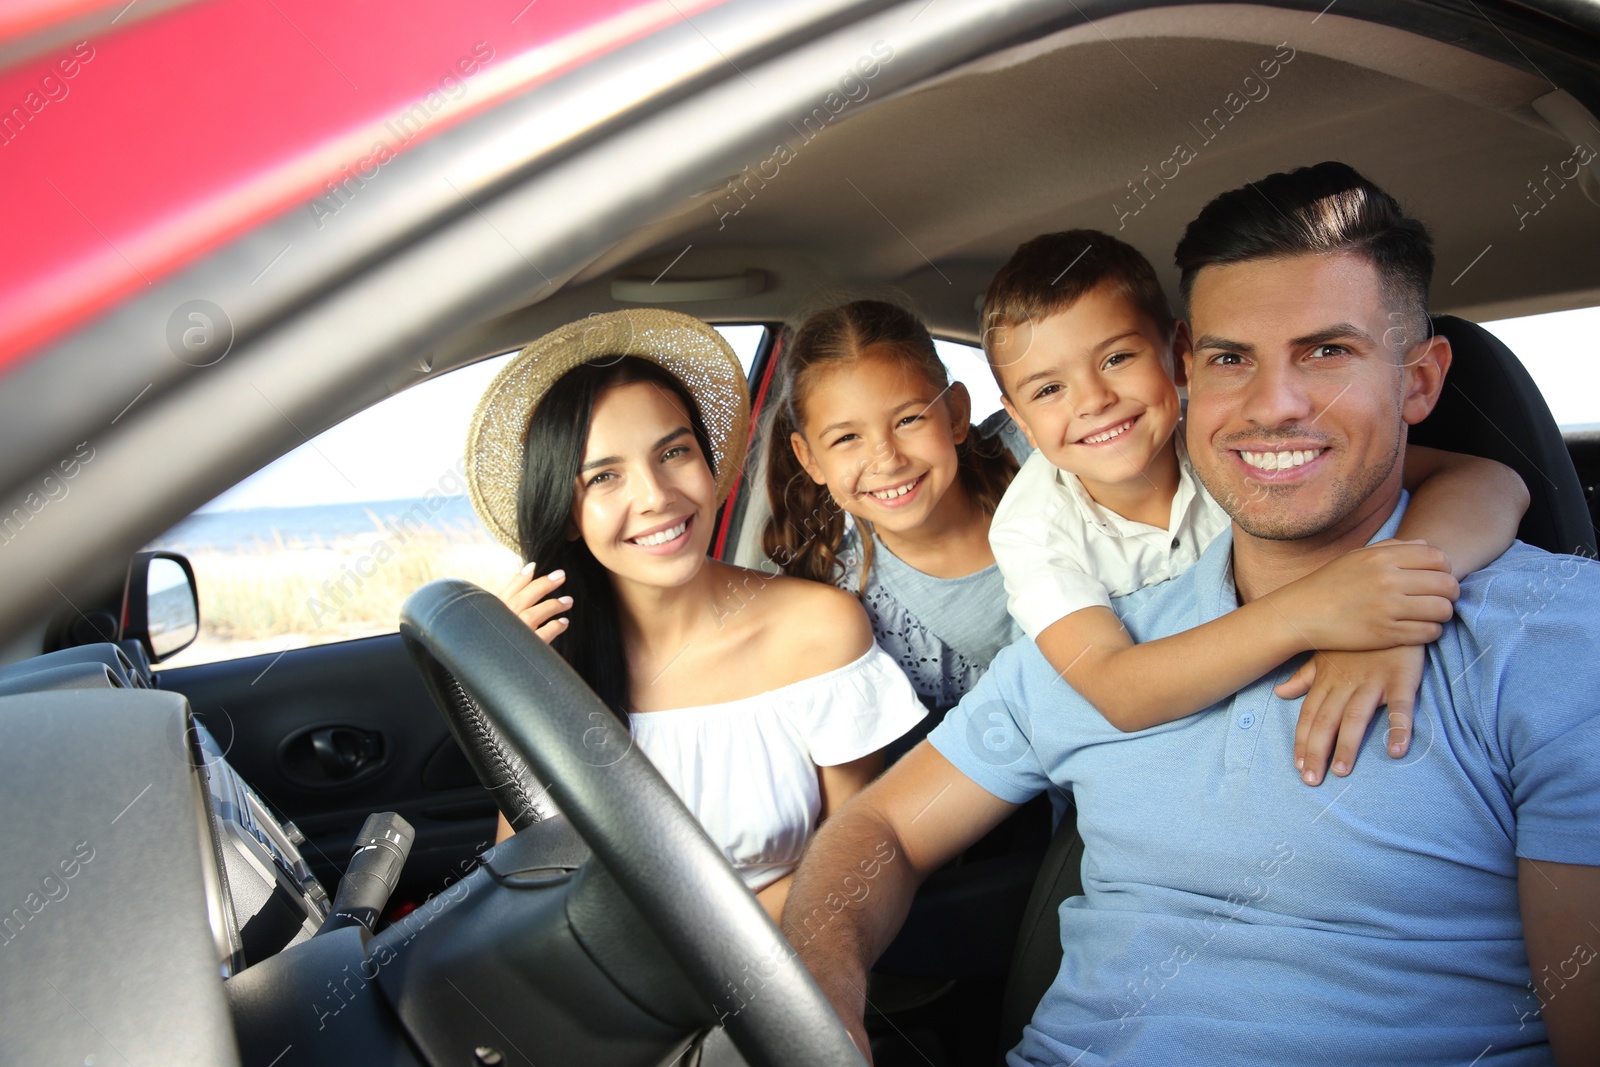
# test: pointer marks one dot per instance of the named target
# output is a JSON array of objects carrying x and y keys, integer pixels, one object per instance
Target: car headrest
[{"x": 1490, "y": 407}]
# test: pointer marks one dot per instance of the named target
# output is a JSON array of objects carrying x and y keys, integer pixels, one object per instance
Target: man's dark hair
[
  {"x": 1318, "y": 210},
  {"x": 1053, "y": 271}
]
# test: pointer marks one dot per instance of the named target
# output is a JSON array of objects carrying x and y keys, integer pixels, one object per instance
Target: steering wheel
[{"x": 528, "y": 718}]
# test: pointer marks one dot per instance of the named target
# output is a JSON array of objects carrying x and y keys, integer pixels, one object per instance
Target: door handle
[
  {"x": 344, "y": 752},
  {"x": 330, "y": 754}
]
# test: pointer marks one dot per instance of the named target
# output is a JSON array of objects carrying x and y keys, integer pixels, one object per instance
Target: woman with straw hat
[{"x": 601, "y": 454}]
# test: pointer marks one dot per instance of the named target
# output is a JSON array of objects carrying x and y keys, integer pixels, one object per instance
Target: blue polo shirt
[{"x": 1232, "y": 915}]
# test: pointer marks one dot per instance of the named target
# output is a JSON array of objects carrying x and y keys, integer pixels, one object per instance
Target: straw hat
[{"x": 690, "y": 350}]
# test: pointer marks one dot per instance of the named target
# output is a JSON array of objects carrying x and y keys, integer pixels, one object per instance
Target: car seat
[{"x": 1489, "y": 407}]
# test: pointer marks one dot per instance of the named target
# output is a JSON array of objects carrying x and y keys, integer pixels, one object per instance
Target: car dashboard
[{"x": 139, "y": 867}]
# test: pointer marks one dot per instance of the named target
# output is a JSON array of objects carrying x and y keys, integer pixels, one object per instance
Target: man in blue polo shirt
[{"x": 1417, "y": 912}]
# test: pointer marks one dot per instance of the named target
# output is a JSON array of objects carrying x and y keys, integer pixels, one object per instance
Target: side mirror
[{"x": 162, "y": 610}]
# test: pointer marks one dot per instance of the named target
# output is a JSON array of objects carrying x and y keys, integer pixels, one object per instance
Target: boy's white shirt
[{"x": 1060, "y": 552}]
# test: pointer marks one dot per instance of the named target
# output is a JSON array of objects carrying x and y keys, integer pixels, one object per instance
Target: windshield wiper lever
[{"x": 379, "y": 853}]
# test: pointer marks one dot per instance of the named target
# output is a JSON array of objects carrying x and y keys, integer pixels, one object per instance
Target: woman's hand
[{"x": 530, "y": 599}]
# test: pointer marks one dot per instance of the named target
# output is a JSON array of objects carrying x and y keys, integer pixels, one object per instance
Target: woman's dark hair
[
  {"x": 1316, "y": 210},
  {"x": 806, "y": 529},
  {"x": 558, "y": 434}
]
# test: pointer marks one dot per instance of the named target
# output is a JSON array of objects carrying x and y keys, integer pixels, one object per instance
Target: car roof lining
[{"x": 950, "y": 174}]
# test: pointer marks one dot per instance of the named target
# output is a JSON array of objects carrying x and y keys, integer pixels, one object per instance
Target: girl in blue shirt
[{"x": 880, "y": 484}]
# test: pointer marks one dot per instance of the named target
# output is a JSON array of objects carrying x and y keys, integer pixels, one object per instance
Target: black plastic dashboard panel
[
  {"x": 103, "y": 903},
  {"x": 319, "y": 1003}
]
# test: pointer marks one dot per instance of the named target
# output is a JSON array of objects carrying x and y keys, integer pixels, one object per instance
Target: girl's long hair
[
  {"x": 558, "y": 434},
  {"x": 807, "y": 526}
]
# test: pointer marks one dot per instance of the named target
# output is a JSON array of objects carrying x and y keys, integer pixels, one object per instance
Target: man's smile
[{"x": 1282, "y": 460}]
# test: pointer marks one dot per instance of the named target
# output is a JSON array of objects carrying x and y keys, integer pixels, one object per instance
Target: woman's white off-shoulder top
[{"x": 747, "y": 768}]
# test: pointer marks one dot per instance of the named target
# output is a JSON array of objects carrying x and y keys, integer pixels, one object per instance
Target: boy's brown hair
[{"x": 1053, "y": 271}]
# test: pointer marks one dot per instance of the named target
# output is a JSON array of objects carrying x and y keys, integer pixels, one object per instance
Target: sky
[
  {"x": 408, "y": 445},
  {"x": 397, "y": 449}
]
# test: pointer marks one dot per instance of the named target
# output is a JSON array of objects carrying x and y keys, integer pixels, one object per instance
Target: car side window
[
  {"x": 967, "y": 365},
  {"x": 1557, "y": 348},
  {"x": 325, "y": 543}
]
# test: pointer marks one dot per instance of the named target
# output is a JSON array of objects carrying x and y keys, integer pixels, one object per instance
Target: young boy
[{"x": 1085, "y": 350}]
